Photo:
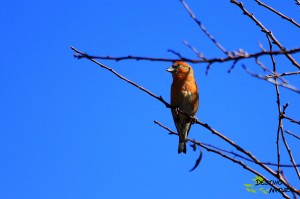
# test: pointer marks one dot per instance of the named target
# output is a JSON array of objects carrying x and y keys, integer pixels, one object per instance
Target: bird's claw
[
  {"x": 194, "y": 120},
  {"x": 176, "y": 110}
]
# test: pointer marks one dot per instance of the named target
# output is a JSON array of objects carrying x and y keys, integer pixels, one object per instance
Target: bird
[{"x": 185, "y": 97}]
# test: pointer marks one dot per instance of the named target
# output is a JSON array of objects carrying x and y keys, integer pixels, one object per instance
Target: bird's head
[{"x": 181, "y": 70}]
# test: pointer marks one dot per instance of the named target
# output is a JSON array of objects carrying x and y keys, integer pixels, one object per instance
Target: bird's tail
[{"x": 181, "y": 146}]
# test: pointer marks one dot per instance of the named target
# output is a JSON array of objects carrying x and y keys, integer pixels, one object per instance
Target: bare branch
[
  {"x": 176, "y": 53},
  {"x": 283, "y": 74},
  {"x": 227, "y": 157},
  {"x": 290, "y": 153},
  {"x": 267, "y": 32},
  {"x": 208, "y": 68},
  {"x": 292, "y": 134},
  {"x": 291, "y": 119},
  {"x": 248, "y": 159},
  {"x": 123, "y": 78},
  {"x": 279, "y": 128},
  {"x": 195, "y": 61},
  {"x": 193, "y": 16},
  {"x": 224, "y": 150},
  {"x": 200, "y": 55},
  {"x": 232, "y": 66},
  {"x": 266, "y": 78},
  {"x": 274, "y": 75},
  {"x": 280, "y": 113},
  {"x": 278, "y": 13},
  {"x": 213, "y": 131},
  {"x": 284, "y": 177}
]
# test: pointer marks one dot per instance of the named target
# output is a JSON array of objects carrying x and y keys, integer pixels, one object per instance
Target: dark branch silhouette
[
  {"x": 268, "y": 78},
  {"x": 292, "y": 134},
  {"x": 266, "y": 31},
  {"x": 278, "y": 13},
  {"x": 196, "y": 121},
  {"x": 237, "y": 56},
  {"x": 204, "y": 29},
  {"x": 234, "y": 57},
  {"x": 227, "y": 157},
  {"x": 223, "y": 150}
]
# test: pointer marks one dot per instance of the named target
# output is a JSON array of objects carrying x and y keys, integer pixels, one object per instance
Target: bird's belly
[{"x": 186, "y": 104}]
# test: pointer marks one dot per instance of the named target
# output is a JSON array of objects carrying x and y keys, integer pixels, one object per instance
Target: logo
[{"x": 260, "y": 185}]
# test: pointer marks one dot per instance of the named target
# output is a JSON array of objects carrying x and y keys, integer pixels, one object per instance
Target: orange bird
[{"x": 184, "y": 95}]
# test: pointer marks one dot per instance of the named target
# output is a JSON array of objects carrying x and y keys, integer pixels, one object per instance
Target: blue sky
[{"x": 70, "y": 129}]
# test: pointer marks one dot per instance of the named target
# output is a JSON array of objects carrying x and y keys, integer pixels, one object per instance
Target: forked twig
[
  {"x": 213, "y": 131},
  {"x": 195, "y": 61},
  {"x": 268, "y": 79},
  {"x": 266, "y": 31},
  {"x": 210, "y": 149}
]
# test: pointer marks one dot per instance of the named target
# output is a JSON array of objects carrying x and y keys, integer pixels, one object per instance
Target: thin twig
[
  {"x": 290, "y": 87},
  {"x": 291, "y": 119},
  {"x": 193, "y": 16},
  {"x": 285, "y": 142},
  {"x": 278, "y": 13},
  {"x": 176, "y": 53},
  {"x": 290, "y": 154},
  {"x": 123, "y": 78},
  {"x": 213, "y": 131},
  {"x": 284, "y": 177},
  {"x": 227, "y": 157},
  {"x": 266, "y": 31},
  {"x": 261, "y": 65},
  {"x": 232, "y": 66},
  {"x": 206, "y": 60},
  {"x": 274, "y": 75},
  {"x": 279, "y": 76},
  {"x": 224, "y": 150},
  {"x": 280, "y": 113},
  {"x": 200, "y": 55},
  {"x": 208, "y": 68},
  {"x": 284, "y": 74},
  {"x": 248, "y": 159},
  {"x": 292, "y": 134},
  {"x": 279, "y": 128}
]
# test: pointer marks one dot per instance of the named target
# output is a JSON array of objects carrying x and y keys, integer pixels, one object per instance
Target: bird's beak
[{"x": 171, "y": 69}]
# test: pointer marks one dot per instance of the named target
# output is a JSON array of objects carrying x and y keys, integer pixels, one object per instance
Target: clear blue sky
[{"x": 69, "y": 129}]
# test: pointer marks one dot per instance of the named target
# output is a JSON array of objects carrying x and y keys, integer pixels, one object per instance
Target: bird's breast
[{"x": 185, "y": 97}]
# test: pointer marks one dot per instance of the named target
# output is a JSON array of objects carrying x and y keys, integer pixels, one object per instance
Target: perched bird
[{"x": 185, "y": 97}]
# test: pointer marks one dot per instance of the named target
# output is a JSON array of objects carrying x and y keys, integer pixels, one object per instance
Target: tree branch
[
  {"x": 195, "y": 61},
  {"x": 267, "y": 32},
  {"x": 292, "y": 134},
  {"x": 82, "y": 54},
  {"x": 213, "y": 131},
  {"x": 193, "y": 16},
  {"x": 227, "y": 157},
  {"x": 290, "y": 154},
  {"x": 278, "y": 13},
  {"x": 268, "y": 79}
]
